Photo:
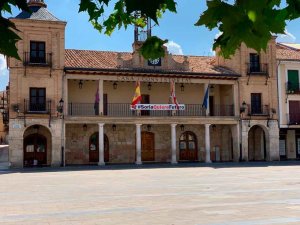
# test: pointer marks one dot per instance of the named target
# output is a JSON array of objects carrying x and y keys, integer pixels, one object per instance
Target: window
[
  {"x": 256, "y": 107},
  {"x": 37, "y": 52},
  {"x": 293, "y": 80},
  {"x": 294, "y": 112},
  {"x": 37, "y": 102},
  {"x": 254, "y": 63}
]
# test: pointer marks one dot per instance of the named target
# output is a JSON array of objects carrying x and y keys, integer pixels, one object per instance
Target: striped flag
[
  {"x": 137, "y": 95},
  {"x": 173, "y": 95}
]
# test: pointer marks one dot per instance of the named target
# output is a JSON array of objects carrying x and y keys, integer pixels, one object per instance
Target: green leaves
[
  {"x": 153, "y": 48},
  {"x": 129, "y": 12},
  {"x": 8, "y": 31},
  {"x": 250, "y": 21}
]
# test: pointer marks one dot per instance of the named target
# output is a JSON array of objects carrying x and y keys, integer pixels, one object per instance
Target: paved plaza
[{"x": 233, "y": 194}]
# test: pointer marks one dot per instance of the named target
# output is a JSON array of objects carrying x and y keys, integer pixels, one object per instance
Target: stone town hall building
[{"x": 56, "y": 118}]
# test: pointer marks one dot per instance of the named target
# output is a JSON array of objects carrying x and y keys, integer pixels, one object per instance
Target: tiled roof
[
  {"x": 38, "y": 13},
  {"x": 86, "y": 59},
  {"x": 291, "y": 45},
  {"x": 284, "y": 52}
]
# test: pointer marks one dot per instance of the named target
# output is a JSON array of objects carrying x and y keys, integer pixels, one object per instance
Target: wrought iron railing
[
  {"x": 82, "y": 109},
  {"x": 41, "y": 108},
  {"x": 294, "y": 118},
  {"x": 292, "y": 88},
  {"x": 222, "y": 110},
  {"x": 258, "y": 110},
  {"x": 258, "y": 69},
  {"x": 123, "y": 110},
  {"x": 44, "y": 60}
]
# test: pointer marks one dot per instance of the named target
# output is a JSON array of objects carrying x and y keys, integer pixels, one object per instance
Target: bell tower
[{"x": 141, "y": 34}]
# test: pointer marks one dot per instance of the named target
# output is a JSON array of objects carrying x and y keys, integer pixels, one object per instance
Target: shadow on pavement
[{"x": 150, "y": 166}]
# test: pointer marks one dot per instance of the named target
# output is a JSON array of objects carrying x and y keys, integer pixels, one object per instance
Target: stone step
[{"x": 4, "y": 165}]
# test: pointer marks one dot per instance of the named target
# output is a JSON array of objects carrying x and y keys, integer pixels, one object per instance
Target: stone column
[
  {"x": 101, "y": 145},
  {"x": 236, "y": 101},
  {"x": 205, "y": 88},
  {"x": 173, "y": 143},
  {"x": 207, "y": 143},
  {"x": 101, "y": 105},
  {"x": 244, "y": 139},
  {"x": 138, "y": 144},
  {"x": 65, "y": 97},
  {"x": 235, "y": 130}
]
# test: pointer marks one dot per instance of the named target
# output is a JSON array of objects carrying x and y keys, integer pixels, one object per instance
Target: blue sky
[{"x": 184, "y": 38}]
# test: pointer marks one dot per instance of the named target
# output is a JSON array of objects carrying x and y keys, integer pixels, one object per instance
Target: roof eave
[{"x": 153, "y": 72}]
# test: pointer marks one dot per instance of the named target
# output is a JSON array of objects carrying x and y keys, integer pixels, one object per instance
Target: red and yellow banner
[{"x": 137, "y": 95}]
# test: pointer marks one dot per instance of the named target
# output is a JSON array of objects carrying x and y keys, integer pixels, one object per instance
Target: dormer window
[
  {"x": 37, "y": 52},
  {"x": 254, "y": 63}
]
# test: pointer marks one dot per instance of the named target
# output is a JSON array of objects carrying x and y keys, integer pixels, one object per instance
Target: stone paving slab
[{"x": 230, "y": 194}]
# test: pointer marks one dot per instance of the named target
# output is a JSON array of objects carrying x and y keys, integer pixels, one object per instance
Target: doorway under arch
[
  {"x": 94, "y": 148},
  {"x": 36, "y": 146},
  {"x": 257, "y": 150}
]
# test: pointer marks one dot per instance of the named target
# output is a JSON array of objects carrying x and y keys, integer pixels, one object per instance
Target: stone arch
[
  {"x": 37, "y": 145},
  {"x": 258, "y": 143}
]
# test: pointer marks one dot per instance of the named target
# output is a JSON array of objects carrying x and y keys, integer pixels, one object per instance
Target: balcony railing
[
  {"x": 292, "y": 88},
  {"x": 123, "y": 110},
  {"x": 259, "y": 69},
  {"x": 262, "y": 110},
  {"x": 222, "y": 110},
  {"x": 45, "y": 60},
  {"x": 38, "y": 108},
  {"x": 294, "y": 119}
]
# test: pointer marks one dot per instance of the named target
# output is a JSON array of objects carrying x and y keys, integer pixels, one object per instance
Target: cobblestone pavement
[{"x": 233, "y": 194}]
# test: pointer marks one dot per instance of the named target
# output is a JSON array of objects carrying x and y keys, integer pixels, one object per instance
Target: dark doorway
[
  {"x": 35, "y": 150},
  {"x": 211, "y": 106},
  {"x": 94, "y": 148},
  {"x": 145, "y": 100}
]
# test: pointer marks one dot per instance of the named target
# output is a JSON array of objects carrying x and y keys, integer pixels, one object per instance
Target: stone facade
[{"x": 85, "y": 97}]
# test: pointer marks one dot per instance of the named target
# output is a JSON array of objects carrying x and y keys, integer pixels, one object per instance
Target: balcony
[
  {"x": 294, "y": 118},
  {"x": 262, "y": 110},
  {"x": 45, "y": 60},
  {"x": 292, "y": 88},
  {"x": 37, "y": 108},
  {"x": 123, "y": 110},
  {"x": 259, "y": 69}
]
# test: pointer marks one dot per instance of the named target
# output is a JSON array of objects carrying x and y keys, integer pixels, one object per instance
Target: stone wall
[
  {"x": 16, "y": 137},
  {"x": 122, "y": 142}
]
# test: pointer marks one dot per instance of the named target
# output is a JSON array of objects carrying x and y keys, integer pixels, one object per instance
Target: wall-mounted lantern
[
  {"x": 80, "y": 84},
  {"x": 115, "y": 85}
]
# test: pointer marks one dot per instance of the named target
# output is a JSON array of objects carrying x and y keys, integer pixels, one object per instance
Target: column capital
[
  {"x": 138, "y": 124},
  {"x": 207, "y": 125},
  {"x": 173, "y": 125},
  {"x": 101, "y": 124}
]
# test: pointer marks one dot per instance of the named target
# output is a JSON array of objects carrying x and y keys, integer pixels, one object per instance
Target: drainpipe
[
  {"x": 63, "y": 154},
  {"x": 278, "y": 100}
]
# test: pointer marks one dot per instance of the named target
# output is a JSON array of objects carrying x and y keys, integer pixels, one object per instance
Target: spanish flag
[{"x": 137, "y": 95}]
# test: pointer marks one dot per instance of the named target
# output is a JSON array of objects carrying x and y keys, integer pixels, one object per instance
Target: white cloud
[
  {"x": 3, "y": 73},
  {"x": 174, "y": 48},
  {"x": 2, "y": 64},
  {"x": 218, "y": 34},
  {"x": 287, "y": 37},
  {"x": 212, "y": 52}
]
